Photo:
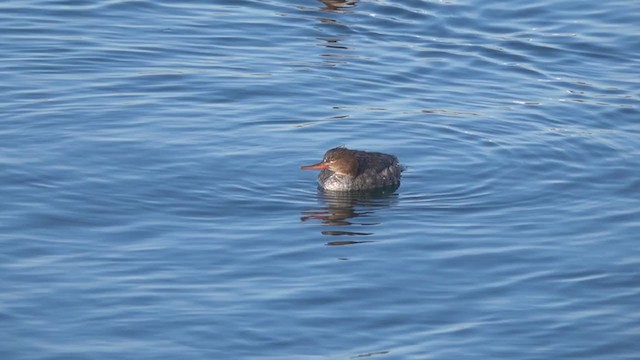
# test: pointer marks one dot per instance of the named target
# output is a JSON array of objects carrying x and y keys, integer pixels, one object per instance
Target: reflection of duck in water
[
  {"x": 341, "y": 205},
  {"x": 351, "y": 210},
  {"x": 354, "y": 170},
  {"x": 351, "y": 213},
  {"x": 333, "y": 5}
]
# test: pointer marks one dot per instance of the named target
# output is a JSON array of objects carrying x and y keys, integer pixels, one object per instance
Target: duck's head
[{"x": 340, "y": 160}]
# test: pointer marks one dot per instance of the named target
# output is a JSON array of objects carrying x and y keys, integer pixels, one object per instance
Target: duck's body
[{"x": 354, "y": 170}]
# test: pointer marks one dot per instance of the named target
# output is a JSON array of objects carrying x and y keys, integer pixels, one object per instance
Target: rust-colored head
[{"x": 340, "y": 160}]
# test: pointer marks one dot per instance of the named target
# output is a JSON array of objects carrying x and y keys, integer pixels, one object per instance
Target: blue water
[{"x": 152, "y": 206}]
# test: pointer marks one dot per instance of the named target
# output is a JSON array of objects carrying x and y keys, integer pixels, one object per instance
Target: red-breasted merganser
[{"x": 354, "y": 170}]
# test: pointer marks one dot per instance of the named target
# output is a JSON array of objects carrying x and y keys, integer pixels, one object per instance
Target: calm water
[{"x": 152, "y": 206}]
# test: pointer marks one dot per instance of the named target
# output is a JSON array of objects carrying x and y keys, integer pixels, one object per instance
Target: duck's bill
[{"x": 318, "y": 166}]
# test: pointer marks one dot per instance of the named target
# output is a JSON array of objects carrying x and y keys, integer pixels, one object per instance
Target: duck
[{"x": 344, "y": 169}]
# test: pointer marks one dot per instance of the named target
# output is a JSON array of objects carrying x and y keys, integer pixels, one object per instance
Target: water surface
[{"x": 152, "y": 206}]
